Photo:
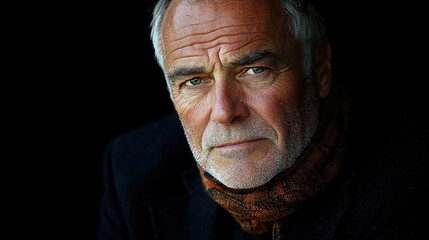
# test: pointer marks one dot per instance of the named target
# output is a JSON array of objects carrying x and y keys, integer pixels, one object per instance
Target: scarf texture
[{"x": 261, "y": 210}]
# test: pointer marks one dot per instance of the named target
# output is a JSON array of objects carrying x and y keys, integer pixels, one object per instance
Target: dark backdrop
[{"x": 97, "y": 78}]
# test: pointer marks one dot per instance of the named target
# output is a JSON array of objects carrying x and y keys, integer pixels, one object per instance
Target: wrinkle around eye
[
  {"x": 189, "y": 95},
  {"x": 258, "y": 80},
  {"x": 202, "y": 85}
]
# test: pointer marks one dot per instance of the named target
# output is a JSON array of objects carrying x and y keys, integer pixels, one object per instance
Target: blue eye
[
  {"x": 255, "y": 70},
  {"x": 194, "y": 82}
]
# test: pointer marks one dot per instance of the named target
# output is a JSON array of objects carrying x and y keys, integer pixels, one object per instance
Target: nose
[{"x": 229, "y": 104}]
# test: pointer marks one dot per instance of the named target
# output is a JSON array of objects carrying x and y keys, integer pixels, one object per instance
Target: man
[{"x": 267, "y": 125}]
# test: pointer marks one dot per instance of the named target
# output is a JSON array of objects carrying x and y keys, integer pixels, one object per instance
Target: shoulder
[
  {"x": 390, "y": 182},
  {"x": 147, "y": 159},
  {"x": 391, "y": 152},
  {"x": 145, "y": 139}
]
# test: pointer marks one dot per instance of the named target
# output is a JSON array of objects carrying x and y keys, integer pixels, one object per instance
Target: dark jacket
[{"x": 152, "y": 190}]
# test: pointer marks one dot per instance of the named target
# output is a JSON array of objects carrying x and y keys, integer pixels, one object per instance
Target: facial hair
[{"x": 241, "y": 173}]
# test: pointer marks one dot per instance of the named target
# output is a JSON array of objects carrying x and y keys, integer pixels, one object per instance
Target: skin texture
[{"x": 238, "y": 86}]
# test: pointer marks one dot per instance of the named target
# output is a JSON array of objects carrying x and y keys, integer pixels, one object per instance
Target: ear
[{"x": 322, "y": 70}]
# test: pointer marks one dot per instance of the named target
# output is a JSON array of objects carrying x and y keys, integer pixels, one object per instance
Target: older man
[{"x": 266, "y": 123}]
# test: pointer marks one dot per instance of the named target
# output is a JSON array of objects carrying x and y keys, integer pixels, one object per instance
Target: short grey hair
[{"x": 306, "y": 25}]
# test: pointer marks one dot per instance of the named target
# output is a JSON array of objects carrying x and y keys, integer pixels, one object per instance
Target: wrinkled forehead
[{"x": 185, "y": 17}]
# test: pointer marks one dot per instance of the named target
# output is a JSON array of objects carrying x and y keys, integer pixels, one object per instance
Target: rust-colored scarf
[{"x": 261, "y": 210}]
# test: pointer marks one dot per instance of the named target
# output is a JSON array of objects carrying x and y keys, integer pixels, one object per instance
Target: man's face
[{"x": 239, "y": 89}]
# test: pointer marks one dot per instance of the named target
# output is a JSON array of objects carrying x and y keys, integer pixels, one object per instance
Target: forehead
[
  {"x": 182, "y": 15},
  {"x": 204, "y": 24}
]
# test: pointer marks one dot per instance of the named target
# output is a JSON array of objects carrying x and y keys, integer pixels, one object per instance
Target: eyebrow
[
  {"x": 180, "y": 72},
  {"x": 248, "y": 59},
  {"x": 255, "y": 57}
]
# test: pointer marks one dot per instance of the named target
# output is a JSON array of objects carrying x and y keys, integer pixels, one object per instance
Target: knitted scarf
[{"x": 261, "y": 210}]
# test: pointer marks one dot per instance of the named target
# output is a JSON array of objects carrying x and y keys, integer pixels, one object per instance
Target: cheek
[
  {"x": 273, "y": 110},
  {"x": 194, "y": 116},
  {"x": 276, "y": 105},
  {"x": 272, "y": 103}
]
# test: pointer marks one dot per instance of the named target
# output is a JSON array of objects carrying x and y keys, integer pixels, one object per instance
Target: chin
[{"x": 246, "y": 175}]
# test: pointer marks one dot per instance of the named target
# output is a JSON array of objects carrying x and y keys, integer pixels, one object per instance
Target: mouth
[{"x": 241, "y": 144}]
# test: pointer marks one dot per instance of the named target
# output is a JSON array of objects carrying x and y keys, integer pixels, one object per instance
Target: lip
[{"x": 238, "y": 144}]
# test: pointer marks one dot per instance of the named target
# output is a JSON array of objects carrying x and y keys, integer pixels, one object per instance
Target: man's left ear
[{"x": 323, "y": 68}]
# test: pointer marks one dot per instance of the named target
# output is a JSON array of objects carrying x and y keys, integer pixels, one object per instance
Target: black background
[{"x": 86, "y": 73}]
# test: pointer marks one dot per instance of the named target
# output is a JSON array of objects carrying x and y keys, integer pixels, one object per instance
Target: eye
[
  {"x": 194, "y": 82},
  {"x": 255, "y": 70}
]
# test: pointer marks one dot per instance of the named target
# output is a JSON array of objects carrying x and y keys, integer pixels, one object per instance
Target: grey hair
[{"x": 306, "y": 25}]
